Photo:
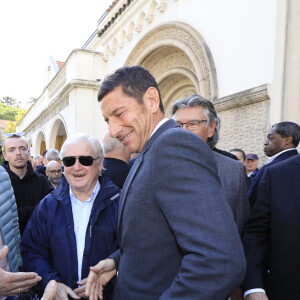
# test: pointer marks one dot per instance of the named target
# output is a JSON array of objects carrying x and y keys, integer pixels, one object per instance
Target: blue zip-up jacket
[{"x": 48, "y": 245}]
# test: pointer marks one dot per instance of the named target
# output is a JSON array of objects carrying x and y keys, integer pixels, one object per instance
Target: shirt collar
[
  {"x": 271, "y": 158},
  {"x": 93, "y": 196},
  {"x": 161, "y": 122}
]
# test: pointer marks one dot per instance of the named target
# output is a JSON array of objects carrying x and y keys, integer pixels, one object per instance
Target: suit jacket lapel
[
  {"x": 126, "y": 185},
  {"x": 167, "y": 125}
]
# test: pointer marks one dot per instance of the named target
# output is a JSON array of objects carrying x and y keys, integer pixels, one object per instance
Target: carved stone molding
[
  {"x": 243, "y": 98},
  {"x": 190, "y": 43},
  {"x": 245, "y": 121},
  {"x": 175, "y": 60}
]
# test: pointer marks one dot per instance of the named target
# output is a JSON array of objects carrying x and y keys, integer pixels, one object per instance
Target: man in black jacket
[
  {"x": 29, "y": 186},
  {"x": 281, "y": 143}
]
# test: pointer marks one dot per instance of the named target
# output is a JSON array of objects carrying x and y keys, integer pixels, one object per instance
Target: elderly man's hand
[
  {"x": 99, "y": 276},
  {"x": 50, "y": 290},
  {"x": 15, "y": 283}
]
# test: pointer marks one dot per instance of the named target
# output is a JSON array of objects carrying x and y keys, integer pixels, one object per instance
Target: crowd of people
[{"x": 153, "y": 211}]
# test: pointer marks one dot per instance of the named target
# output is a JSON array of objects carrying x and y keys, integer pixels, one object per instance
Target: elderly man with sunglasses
[{"x": 75, "y": 226}]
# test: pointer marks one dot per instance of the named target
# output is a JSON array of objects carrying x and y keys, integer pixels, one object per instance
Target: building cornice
[
  {"x": 243, "y": 98},
  {"x": 59, "y": 103}
]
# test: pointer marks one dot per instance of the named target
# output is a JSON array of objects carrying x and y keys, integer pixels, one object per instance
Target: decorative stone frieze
[
  {"x": 244, "y": 121},
  {"x": 57, "y": 85}
]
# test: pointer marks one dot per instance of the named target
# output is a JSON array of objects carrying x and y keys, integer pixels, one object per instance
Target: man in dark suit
[
  {"x": 272, "y": 235},
  {"x": 199, "y": 116},
  {"x": 176, "y": 233},
  {"x": 281, "y": 143}
]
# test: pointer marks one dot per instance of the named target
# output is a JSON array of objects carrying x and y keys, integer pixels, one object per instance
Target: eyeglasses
[
  {"x": 14, "y": 134},
  {"x": 86, "y": 161},
  {"x": 192, "y": 124},
  {"x": 54, "y": 171}
]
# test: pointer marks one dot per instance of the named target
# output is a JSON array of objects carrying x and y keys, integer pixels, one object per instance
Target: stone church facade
[{"x": 244, "y": 56}]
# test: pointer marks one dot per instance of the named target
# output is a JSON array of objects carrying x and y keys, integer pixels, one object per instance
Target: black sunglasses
[{"x": 87, "y": 161}]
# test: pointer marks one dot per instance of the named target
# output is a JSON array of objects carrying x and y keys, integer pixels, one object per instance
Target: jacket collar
[
  {"x": 165, "y": 126},
  {"x": 30, "y": 172}
]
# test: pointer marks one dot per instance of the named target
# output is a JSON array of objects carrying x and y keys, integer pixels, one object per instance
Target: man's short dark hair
[
  {"x": 286, "y": 129},
  {"x": 134, "y": 80}
]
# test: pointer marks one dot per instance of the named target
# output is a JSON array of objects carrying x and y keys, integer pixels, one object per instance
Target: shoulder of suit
[{"x": 222, "y": 159}]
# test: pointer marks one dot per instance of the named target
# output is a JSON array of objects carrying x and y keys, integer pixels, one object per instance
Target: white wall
[{"x": 239, "y": 33}]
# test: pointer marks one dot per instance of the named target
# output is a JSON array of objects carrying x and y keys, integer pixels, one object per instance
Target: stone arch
[
  {"x": 58, "y": 133},
  {"x": 40, "y": 144},
  {"x": 179, "y": 58}
]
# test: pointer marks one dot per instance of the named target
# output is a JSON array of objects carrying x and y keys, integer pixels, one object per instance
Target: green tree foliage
[
  {"x": 11, "y": 126},
  {"x": 8, "y": 112},
  {"x": 10, "y": 101}
]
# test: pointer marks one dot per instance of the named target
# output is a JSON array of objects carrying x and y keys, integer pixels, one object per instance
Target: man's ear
[
  {"x": 151, "y": 99},
  {"x": 288, "y": 140},
  {"x": 211, "y": 129}
]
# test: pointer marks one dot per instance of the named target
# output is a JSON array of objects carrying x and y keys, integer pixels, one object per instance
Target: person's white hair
[
  {"x": 52, "y": 154},
  {"x": 82, "y": 137}
]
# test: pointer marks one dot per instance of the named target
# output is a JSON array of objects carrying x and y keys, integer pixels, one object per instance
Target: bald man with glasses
[
  {"x": 75, "y": 223},
  {"x": 54, "y": 173}
]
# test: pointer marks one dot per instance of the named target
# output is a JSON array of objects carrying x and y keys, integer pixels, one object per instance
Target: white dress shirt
[
  {"x": 81, "y": 216},
  {"x": 271, "y": 158}
]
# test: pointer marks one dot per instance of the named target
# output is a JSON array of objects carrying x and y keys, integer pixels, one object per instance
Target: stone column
[{"x": 285, "y": 89}]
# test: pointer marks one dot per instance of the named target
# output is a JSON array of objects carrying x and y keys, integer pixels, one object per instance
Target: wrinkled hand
[
  {"x": 62, "y": 292},
  {"x": 15, "y": 283},
  {"x": 99, "y": 276},
  {"x": 257, "y": 296},
  {"x": 50, "y": 290}
]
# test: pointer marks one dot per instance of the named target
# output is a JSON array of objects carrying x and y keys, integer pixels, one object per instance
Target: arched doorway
[
  {"x": 40, "y": 145},
  {"x": 58, "y": 134},
  {"x": 180, "y": 60}
]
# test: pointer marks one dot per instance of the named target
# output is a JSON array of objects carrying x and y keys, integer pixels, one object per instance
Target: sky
[{"x": 33, "y": 30}]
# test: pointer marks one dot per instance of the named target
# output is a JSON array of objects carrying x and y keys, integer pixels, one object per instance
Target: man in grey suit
[
  {"x": 199, "y": 116},
  {"x": 176, "y": 233}
]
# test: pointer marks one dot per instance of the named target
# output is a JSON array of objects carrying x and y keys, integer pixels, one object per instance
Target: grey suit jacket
[
  {"x": 232, "y": 175},
  {"x": 176, "y": 233}
]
